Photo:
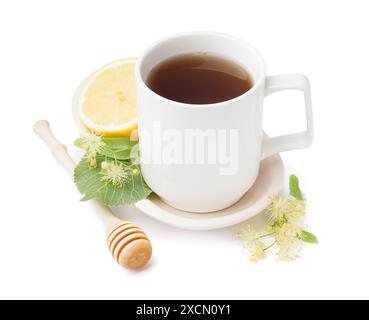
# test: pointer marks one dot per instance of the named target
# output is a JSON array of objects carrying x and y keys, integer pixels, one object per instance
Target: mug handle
[{"x": 291, "y": 141}]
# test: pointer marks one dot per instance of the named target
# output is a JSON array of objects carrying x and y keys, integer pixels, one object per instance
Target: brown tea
[{"x": 199, "y": 79}]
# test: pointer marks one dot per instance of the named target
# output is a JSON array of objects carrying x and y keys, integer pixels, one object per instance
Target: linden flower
[
  {"x": 285, "y": 209},
  {"x": 92, "y": 144},
  {"x": 296, "y": 209},
  {"x": 252, "y": 243},
  {"x": 278, "y": 206},
  {"x": 114, "y": 173},
  {"x": 287, "y": 241},
  {"x": 91, "y": 159},
  {"x": 285, "y": 227}
]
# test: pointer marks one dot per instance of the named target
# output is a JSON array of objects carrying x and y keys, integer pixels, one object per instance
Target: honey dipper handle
[{"x": 60, "y": 153}]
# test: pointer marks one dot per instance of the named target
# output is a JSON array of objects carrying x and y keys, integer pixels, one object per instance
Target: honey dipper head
[{"x": 129, "y": 245}]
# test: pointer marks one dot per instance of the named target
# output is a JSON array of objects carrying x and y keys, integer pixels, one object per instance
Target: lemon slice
[{"x": 107, "y": 102}]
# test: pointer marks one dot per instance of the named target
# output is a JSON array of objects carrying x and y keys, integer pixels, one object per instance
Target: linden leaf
[
  {"x": 90, "y": 183},
  {"x": 118, "y": 148},
  {"x": 119, "y": 142},
  {"x": 295, "y": 188},
  {"x": 307, "y": 237}
]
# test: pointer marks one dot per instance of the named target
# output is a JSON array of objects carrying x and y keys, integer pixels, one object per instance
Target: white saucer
[{"x": 268, "y": 183}]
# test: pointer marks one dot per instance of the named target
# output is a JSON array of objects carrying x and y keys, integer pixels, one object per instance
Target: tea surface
[{"x": 199, "y": 79}]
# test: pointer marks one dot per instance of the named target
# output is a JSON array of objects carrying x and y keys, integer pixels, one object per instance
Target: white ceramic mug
[{"x": 201, "y": 187}]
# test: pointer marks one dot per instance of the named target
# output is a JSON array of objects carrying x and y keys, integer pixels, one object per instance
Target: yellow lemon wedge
[{"x": 107, "y": 101}]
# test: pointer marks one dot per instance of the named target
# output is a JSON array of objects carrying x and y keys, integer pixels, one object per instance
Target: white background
[{"x": 52, "y": 246}]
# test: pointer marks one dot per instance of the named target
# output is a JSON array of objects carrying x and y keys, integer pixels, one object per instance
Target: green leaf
[
  {"x": 121, "y": 143},
  {"x": 295, "y": 188},
  {"x": 90, "y": 184},
  {"x": 116, "y": 154},
  {"x": 307, "y": 237},
  {"x": 118, "y": 148}
]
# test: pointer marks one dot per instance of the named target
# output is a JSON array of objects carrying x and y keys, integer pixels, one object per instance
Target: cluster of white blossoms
[
  {"x": 285, "y": 230},
  {"x": 92, "y": 144},
  {"x": 113, "y": 172},
  {"x": 252, "y": 242}
]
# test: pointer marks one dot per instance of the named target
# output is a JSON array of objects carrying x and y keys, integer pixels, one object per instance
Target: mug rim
[{"x": 256, "y": 85}]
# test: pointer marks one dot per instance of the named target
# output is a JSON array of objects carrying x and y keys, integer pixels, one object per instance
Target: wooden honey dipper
[{"x": 128, "y": 244}]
